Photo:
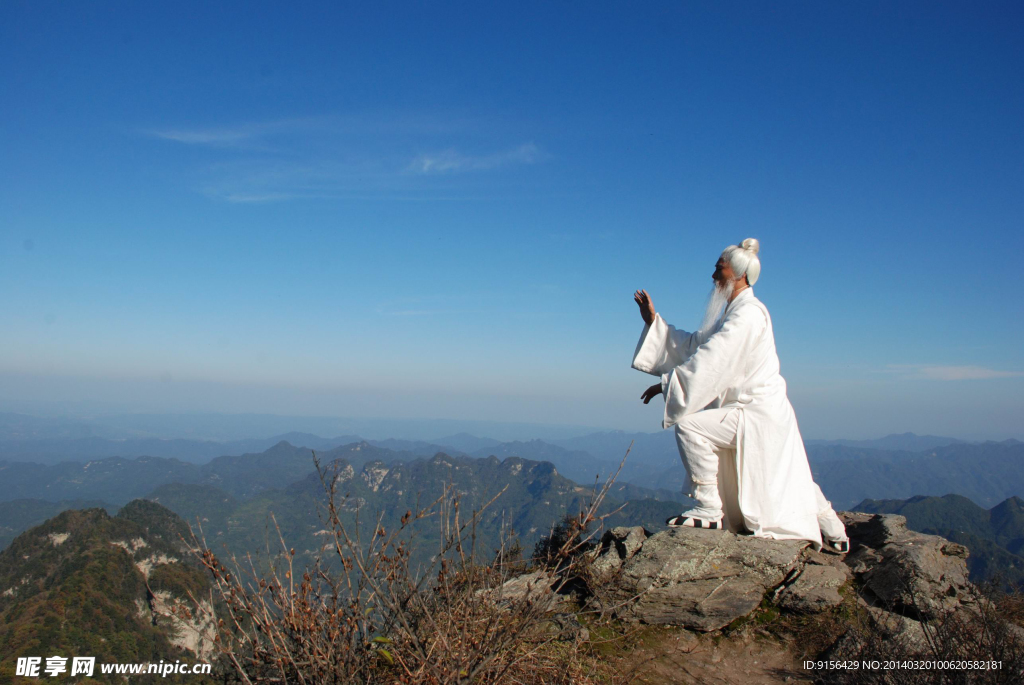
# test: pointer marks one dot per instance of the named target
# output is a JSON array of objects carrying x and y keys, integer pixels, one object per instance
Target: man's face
[{"x": 723, "y": 273}]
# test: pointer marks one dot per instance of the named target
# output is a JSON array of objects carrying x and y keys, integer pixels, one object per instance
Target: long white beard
[{"x": 713, "y": 310}]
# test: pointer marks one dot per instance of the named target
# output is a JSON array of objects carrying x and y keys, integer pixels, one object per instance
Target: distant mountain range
[
  {"x": 466, "y": 443},
  {"x": 847, "y": 470},
  {"x": 52, "y": 440},
  {"x": 987, "y": 472},
  {"x": 909, "y": 442},
  {"x": 235, "y": 493},
  {"x": 56, "y": 450},
  {"x": 232, "y": 427},
  {"x": 895, "y": 467},
  {"x": 536, "y": 498},
  {"x": 117, "y": 480}
]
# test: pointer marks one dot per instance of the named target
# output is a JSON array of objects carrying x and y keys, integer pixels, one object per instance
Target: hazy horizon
[{"x": 224, "y": 427}]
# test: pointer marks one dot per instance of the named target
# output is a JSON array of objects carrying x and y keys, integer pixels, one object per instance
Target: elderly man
[{"x": 735, "y": 428}]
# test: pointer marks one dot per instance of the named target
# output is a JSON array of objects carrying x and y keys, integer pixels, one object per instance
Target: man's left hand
[
  {"x": 646, "y": 304},
  {"x": 651, "y": 392}
]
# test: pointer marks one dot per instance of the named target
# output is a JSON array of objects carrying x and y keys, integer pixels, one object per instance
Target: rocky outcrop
[
  {"x": 187, "y": 628},
  {"x": 706, "y": 579},
  {"x": 917, "y": 575},
  {"x": 904, "y": 579}
]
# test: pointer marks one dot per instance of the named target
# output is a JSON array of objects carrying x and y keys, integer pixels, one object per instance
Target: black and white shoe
[
  {"x": 694, "y": 522},
  {"x": 836, "y": 546}
]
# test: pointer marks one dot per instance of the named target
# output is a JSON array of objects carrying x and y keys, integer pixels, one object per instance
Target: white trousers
[{"x": 701, "y": 438}]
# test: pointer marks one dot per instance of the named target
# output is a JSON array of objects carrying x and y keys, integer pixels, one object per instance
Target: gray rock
[
  {"x": 814, "y": 585},
  {"x": 815, "y": 589},
  {"x": 822, "y": 559},
  {"x": 873, "y": 530},
  {"x": 906, "y": 634},
  {"x": 565, "y": 627},
  {"x": 618, "y": 545},
  {"x": 538, "y": 586},
  {"x": 629, "y": 540},
  {"x": 702, "y": 579},
  {"x": 906, "y": 579},
  {"x": 918, "y": 575}
]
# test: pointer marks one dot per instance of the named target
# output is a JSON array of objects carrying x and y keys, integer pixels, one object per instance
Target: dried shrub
[{"x": 360, "y": 614}]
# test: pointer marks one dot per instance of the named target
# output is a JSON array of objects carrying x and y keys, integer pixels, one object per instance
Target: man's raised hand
[{"x": 643, "y": 300}]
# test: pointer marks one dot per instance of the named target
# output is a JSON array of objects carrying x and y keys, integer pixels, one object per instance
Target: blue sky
[{"x": 426, "y": 210}]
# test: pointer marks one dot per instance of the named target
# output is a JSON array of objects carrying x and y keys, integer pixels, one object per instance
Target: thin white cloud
[
  {"x": 274, "y": 180},
  {"x": 319, "y": 130},
  {"x": 345, "y": 157},
  {"x": 950, "y": 373},
  {"x": 223, "y": 136},
  {"x": 424, "y": 312},
  {"x": 451, "y": 161},
  {"x": 245, "y": 135},
  {"x": 255, "y": 197}
]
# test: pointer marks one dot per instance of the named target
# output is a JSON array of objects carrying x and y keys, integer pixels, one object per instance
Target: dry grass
[{"x": 376, "y": 621}]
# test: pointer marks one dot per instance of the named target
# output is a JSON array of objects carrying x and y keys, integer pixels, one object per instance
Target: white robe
[{"x": 738, "y": 367}]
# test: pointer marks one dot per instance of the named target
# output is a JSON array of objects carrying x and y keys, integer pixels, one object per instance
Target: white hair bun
[{"x": 751, "y": 244}]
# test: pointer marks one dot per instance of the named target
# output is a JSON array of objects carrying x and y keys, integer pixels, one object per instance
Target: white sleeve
[
  {"x": 662, "y": 347},
  {"x": 714, "y": 367}
]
